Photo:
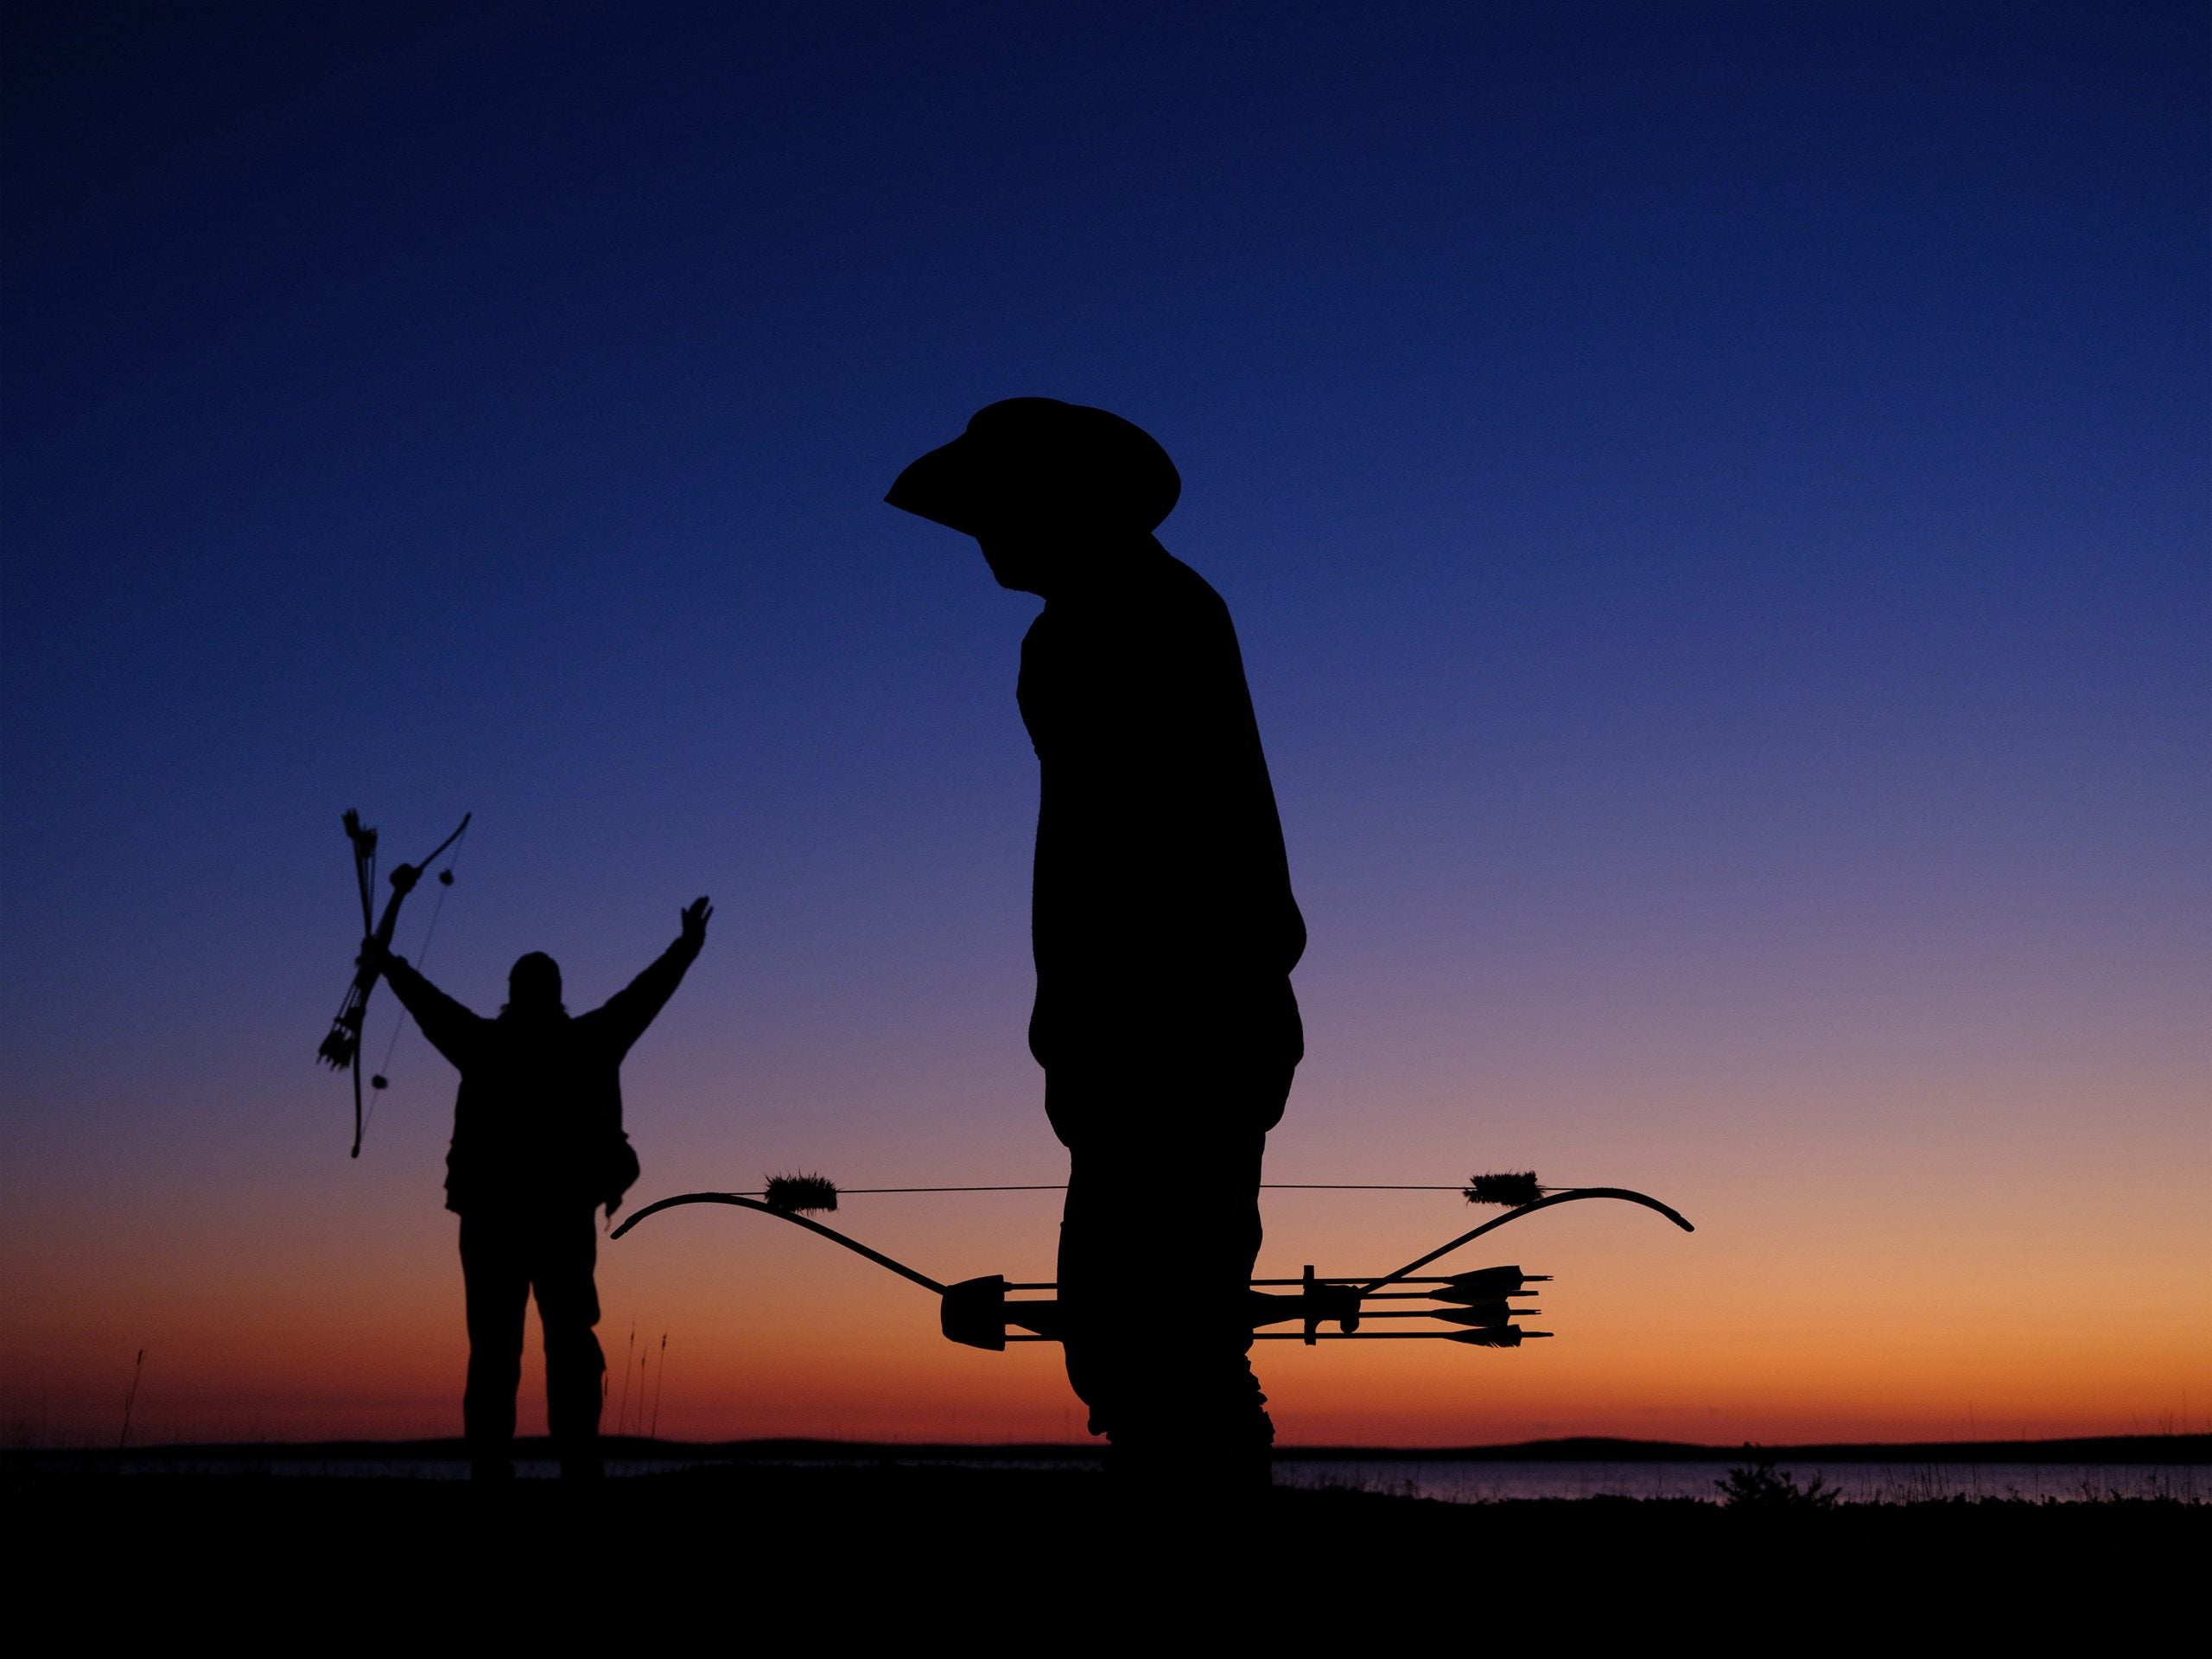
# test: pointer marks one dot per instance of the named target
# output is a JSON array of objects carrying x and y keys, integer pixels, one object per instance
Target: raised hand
[{"x": 694, "y": 920}]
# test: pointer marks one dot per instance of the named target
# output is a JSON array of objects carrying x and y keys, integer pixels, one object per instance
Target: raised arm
[
  {"x": 623, "y": 1016},
  {"x": 452, "y": 1029}
]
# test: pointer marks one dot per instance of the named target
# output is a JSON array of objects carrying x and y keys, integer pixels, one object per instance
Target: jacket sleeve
[
  {"x": 623, "y": 1018},
  {"x": 452, "y": 1029}
]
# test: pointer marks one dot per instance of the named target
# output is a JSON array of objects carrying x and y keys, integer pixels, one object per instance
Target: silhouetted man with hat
[
  {"x": 538, "y": 1145},
  {"x": 1162, "y": 922}
]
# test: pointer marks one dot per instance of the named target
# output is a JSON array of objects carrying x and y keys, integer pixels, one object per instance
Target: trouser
[
  {"x": 503, "y": 1259},
  {"x": 1157, "y": 1247}
]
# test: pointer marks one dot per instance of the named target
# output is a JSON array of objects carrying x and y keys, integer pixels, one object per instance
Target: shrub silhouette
[{"x": 1761, "y": 1489}]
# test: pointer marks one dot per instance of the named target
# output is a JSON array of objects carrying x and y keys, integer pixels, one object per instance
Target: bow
[
  {"x": 342, "y": 1046},
  {"x": 976, "y": 1311}
]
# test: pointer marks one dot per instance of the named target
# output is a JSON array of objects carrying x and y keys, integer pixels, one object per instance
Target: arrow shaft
[
  {"x": 1367, "y": 1336},
  {"x": 1342, "y": 1281},
  {"x": 1335, "y": 1336},
  {"x": 1438, "y": 1313},
  {"x": 1437, "y": 1295}
]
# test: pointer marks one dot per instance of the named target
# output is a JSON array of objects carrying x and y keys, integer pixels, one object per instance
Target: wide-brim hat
[{"x": 1039, "y": 461}]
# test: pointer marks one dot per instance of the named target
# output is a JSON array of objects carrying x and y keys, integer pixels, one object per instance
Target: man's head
[
  {"x": 1045, "y": 487},
  {"x": 534, "y": 985}
]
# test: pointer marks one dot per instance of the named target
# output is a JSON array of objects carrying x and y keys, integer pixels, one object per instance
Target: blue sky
[{"x": 1714, "y": 500}]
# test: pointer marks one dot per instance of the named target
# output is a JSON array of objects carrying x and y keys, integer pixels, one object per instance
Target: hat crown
[{"x": 1040, "y": 460}]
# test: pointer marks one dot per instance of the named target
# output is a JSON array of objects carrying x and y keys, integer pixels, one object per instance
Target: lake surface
[
  {"x": 1450, "y": 1480},
  {"x": 1468, "y": 1482}
]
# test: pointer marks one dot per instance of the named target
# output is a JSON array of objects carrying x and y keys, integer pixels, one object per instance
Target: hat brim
[{"x": 940, "y": 487}]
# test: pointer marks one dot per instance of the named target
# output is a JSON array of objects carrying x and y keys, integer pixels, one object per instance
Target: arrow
[
  {"x": 1505, "y": 1337},
  {"x": 1475, "y": 1280},
  {"x": 1508, "y": 1337}
]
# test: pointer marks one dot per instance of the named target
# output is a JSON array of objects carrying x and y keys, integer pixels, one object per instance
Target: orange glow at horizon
[{"x": 1943, "y": 1307}]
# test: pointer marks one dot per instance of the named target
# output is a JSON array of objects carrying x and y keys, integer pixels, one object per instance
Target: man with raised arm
[
  {"x": 538, "y": 1145},
  {"x": 1162, "y": 921}
]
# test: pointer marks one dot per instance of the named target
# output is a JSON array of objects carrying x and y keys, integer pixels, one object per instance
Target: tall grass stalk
[
  {"x": 131, "y": 1399},
  {"x": 660, "y": 1385},
  {"x": 622, "y": 1413}
]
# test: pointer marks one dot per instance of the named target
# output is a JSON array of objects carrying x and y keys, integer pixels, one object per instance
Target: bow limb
[
  {"x": 796, "y": 1220},
  {"x": 369, "y": 969},
  {"x": 404, "y": 880},
  {"x": 459, "y": 830},
  {"x": 1544, "y": 1203}
]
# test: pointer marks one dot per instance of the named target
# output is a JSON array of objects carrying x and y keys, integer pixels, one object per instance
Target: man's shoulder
[
  {"x": 1178, "y": 597},
  {"x": 1187, "y": 583},
  {"x": 1191, "y": 621},
  {"x": 1161, "y": 593},
  {"x": 1158, "y": 610}
]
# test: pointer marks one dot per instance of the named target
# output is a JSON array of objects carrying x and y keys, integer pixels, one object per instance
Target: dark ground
[{"x": 737, "y": 1555}]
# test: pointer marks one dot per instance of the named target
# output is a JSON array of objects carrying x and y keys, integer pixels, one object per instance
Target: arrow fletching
[
  {"x": 1503, "y": 1336},
  {"x": 1490, "y": 1315},
  {"x": 1488, "y": 1285}
]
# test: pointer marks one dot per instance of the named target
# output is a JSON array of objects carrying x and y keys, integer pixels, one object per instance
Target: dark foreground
[{"x": 739, "y": 1556}]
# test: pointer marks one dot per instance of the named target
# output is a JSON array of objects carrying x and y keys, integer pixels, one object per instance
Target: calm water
[
  {"x": 1859, "y": 1483},
  {"x": 1451, "y": 1482}
]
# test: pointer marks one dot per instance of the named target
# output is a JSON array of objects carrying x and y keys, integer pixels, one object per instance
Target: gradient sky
[{"x": 1714, "y": 501}]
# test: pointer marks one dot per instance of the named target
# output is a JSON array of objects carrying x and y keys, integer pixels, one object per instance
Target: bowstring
[
  {"x": 1265, "y": 1187},
  {"x": 365, "y": 873},
  {"x": 422, "y": 956}
]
